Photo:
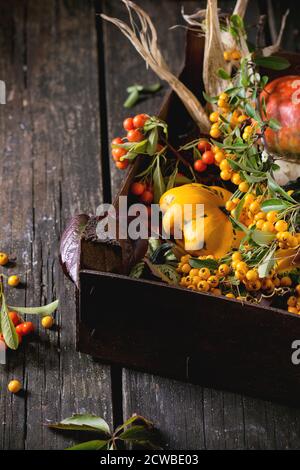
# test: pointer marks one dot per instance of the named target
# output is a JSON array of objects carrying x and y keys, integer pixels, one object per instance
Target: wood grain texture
[
  {"x": 50, "y": 169},
  {"x": 189, "y": 417}
]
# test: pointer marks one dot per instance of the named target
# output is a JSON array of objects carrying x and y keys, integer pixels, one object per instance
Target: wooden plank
[
  {"x": 189, "y": 417},
  {"x": 50, "y": 161}
]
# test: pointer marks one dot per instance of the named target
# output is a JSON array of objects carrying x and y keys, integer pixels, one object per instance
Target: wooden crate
[{"x": 191, "y": 336}]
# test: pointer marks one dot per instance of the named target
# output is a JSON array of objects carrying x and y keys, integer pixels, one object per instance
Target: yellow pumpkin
[{"x": 212, "y": 230}]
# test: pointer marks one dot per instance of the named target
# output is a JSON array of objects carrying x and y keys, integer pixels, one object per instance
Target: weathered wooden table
[{"x": 66, "y": 74}]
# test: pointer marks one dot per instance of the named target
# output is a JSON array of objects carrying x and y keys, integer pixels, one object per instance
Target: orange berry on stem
[
  {"x": 116, "y": 141},
  {"x": 203, "y": 145},
  {"x": 139, "y": 120},
  {"x": 199, "y": 166},
  {"x": 14, "y": 317},
  {"x": 118, "y": 153},
  {"x": 134, "y": 135},
  {"x": 128, "y": 124},
  {"x": 27, "y": 328},
  {"x": 14, "y": 386},
  {"x": 122, "y": 165},
  {"x": 208, "y": 157},
  {"x": 137, "y": 188},
  {"x": 147, "y": 197}
]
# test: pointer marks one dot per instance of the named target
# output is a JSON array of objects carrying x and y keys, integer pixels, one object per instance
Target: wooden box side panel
[{"x": 195, "y": 337}]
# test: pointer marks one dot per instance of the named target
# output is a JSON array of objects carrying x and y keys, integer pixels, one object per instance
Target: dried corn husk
[
  {"x": 213, "y": 52},
  {"x": 145, "y": 42}
]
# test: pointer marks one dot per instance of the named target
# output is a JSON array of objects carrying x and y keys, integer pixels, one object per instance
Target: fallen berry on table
[
  {"x": 14, "y": 386},
  {"x": 47, "y": 321},
  {"x": 13, "y": 281},
  {"x": 3, "y": 259}
]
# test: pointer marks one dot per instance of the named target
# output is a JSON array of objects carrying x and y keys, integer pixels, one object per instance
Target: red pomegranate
[{"x": 282, "y": 98}]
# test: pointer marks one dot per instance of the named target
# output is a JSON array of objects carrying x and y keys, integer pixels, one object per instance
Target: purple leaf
[{"x": 70, "y": 246}]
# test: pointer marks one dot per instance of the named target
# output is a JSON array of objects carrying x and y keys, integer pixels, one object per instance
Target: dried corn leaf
[{"x": 144, "y": 39}]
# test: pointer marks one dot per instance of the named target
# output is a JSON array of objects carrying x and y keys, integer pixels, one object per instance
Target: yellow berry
[
  {"x": 297, "y": 289},
  {"x": 236, "y": 55},
  {"x": 185, "y": 259},
  {"x": 47, "y": 321},
  {"x": 192, "y": 287},
  {"x": 186, "y": 268},
  {"x": 13, "y": 281},
  {"x": 225, "y": 175},
  {"x": 216, "y": 291},
  {"x": 3, "y": 259},
  {"x": 203, "y": 286},
  {"x": 286, "y": 281},
  {"x": 249, "y": 198},
  {"x": 224, "y": 97},
  {"x": 285, "y": 237},
  {"x": 248, "y": 129},
  {"x": 227, "y": 56},
  {"x": 230, "y": 205},
  {"x": 293, "y": 310},
  {"x": 215, "y": 133},
  {"x": 213, "y": 281},
  {"x": 267, "y": 227},
  {"x": 243, "y": 186},
  {"x": 292, "y": 301},
  {"x": 272, "y": 216},
  {"x": 194, "y": 272},
  {"x": 267, "y": 284},
  {"x": 236, "y": 179},
  {"x": 213, "y": 117},
  {"x": 259, "y": 224},
  {"x": 260, "y": 216},
  {"x": 240, "y": 275},
  {"x": 252, "y": 275},
  {"x": 223, "y": 269},
  {"x": 254, "y": 207},
  {"x": 230, "y": 295},
  {"x": 14, "y": 386},
  {"x": 219, "y": 157},
  {"x": 225, "y": 166},
  {"x": 236, "y": 256},
  {"x": 242, "y": 118},
  {"x": 196, "y": 280},
  {"x": 242, "y": 266},
  {"x": 253, "y": 286},
  {"x": 204, "y": 273}
]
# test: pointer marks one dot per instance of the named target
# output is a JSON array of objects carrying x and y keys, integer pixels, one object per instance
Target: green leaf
[
  {"x": 262, "y": 238},
  {"x": 171, "y": 180},
  {"x": 84, "y": 422},
  {"x": 135, "y": 418},
  {"x": 272, "y": 62},
  {"x": 268, "y": 263},
  {"x": 153, "y": 244},
  {"x": 91, "y": 445},
  {"x": 276, "y": 189},
  {"x": 132, "y": 99},
  {"x": 158, "y": 182},
  {"x": 274, "y": 124},
  {"x": 203, "y": 263},
  {"x": 137, "y": 433},
  {"x": 210, "y": 99},
  {"x": 43, "y": 310},
  {"x": 275, "y": 205},
  {"x": 8, "y": 330},
  {"x": 251, "y": 112},
  {"x": 152, "y": 141},
  {"x": 237, "y": 22},
  {"x": 137, "y": 270},
  {"x": 223, "y": 74},
  {"x": 170, "y": 272}
]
